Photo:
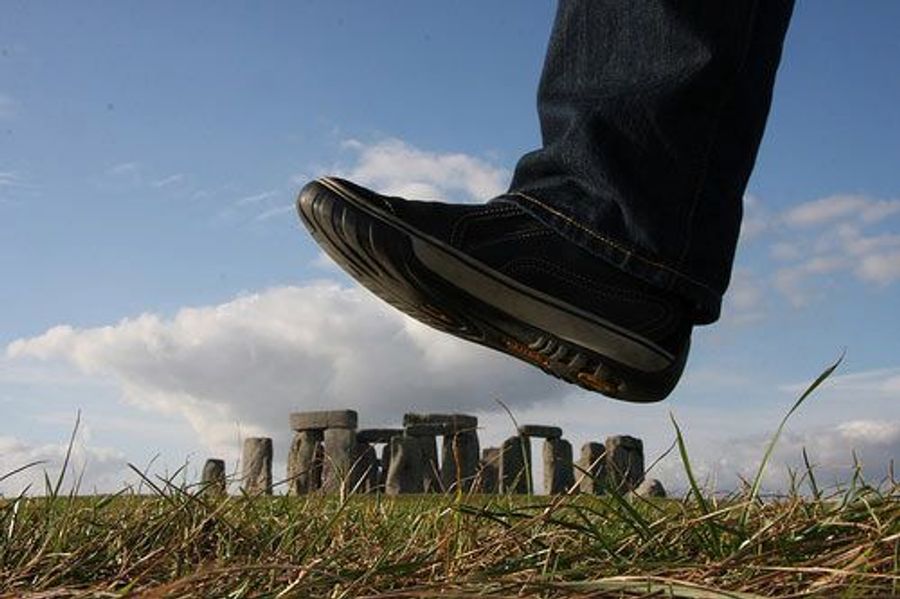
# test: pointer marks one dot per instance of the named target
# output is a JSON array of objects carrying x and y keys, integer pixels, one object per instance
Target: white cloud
[
  {"x": 745, "y": 300},
  {"x": 839, "y": 207},
  {"x": 256, "y": 198},
  {"x": 881, "y": 383},
  {"x": 274, "y": 212},
  {"x": 394, "y": 167},
  {"x": 98, "y": 468},
  {"x": 755, "y": 221},
  {"x": 253, "y": 360},
  {"x": 830, "y": 449},
  {"x": 170, "y": 180},
  {"x": 832, "y": 236}
]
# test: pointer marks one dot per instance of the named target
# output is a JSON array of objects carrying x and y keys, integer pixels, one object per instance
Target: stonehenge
[{"x": 330, "y": 454}]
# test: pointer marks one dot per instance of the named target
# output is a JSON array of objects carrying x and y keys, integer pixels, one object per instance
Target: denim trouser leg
[{"x": 651, "y": 114}]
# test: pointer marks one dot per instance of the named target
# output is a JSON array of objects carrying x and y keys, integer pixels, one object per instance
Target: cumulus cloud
[
  {"x": 93, "y": 468},
  {"x": 395, "y": 167},
  {"x": 881, "y": 383},
  {"x": 756, "y": 219},
  {"x": 833, "y": 451},
  {"x": 256, "y": 358},
  {"x": 840, "y": 207},
  {"x": 745, "y": 301},
  {"x": 830, "y": 236}
]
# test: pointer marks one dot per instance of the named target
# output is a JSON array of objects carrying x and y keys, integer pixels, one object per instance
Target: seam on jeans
[
  {"x": 605, "y": 240},
  {"x": 688, "y": 222},
  {"x": 488, "y": 211}
]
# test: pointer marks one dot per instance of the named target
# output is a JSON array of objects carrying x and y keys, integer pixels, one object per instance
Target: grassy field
[{"x": 177, "y": 541}]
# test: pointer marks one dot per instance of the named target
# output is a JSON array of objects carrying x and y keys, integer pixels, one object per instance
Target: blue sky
[{"x": 156, "y": 278}]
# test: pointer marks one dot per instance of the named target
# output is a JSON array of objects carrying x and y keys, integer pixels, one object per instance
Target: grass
[{"x": 179, "y": 541}]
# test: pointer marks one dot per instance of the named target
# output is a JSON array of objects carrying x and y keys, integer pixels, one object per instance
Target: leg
[
  {"x": 617, "y": 236},
  {"x": 651, "y": 113}
]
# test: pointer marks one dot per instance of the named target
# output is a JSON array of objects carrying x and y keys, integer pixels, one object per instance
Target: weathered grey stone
[
  {"x": 213, "y": 479},
  {"x": 539, "y": 430},
  {"x": 431, "y": 468},
  {"x": 302, "y": 421},
  {"x": 489, "y": 473},
  {"x": 405, "y": 474},
  {"x": 426, "y": 433},
  {"x": 650, "y": 487},
  {"x": 377, "y": 435},
  {"x": 459, "y": 460},
  {"x": 592, "y": 469},
  {"x": 339, "y": 444},
  {"x": 422, "y": 429},
  {"x": 559, "y": 474},
  {"x": 457, "y": 422},
  {"x": 515, "y": 466},
  {"x": 624, "y": 463},
  {"x": 257, "y": 466},
  {"x": 364, "y": 473},
  {"x": 303, "y": 470}
]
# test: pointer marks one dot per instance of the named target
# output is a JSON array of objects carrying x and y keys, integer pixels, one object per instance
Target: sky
[{"x": 155, "y": 277}]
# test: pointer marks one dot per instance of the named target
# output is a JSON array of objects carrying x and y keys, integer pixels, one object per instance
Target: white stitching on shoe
[{"x": 487, "y": 212}]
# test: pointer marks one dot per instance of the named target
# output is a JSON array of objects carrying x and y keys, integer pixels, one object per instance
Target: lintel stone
[
  {"x": 455, "y": 421},
  {"x": 426, "y": 430},
  {"x": 539, "y": 430},
  {"x": 304, "y": 421},
  {"x": 377, "y": 435}
]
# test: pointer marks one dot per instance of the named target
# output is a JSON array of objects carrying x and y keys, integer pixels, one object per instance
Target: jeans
[{"x": 651, "y": 115}]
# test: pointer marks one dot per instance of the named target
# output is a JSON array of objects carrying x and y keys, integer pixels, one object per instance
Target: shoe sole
[{"x": 448, "y": 290}]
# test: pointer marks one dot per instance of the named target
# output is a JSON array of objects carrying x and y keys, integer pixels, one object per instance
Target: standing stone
[
  {"x": 431, "y": 470},
  {"x": 364, "y": 473},
  {"x": 301, "y": 465},
  {"x": 213, "y": 480},
  {"x": 340, "y": 444},
  {"x": 257, "y": 460},
  {"x": 559, "y": 474},
  {"x": 490, "y": 470},
  {"x": 624, "y": 463},
  {"x": 650, "y": 487},
  {"x": 515, "y": 465},
  {"x": 460, "y": 449},
  {"x": 405, "y": 474},
  {"x": 592, "y": 474}
]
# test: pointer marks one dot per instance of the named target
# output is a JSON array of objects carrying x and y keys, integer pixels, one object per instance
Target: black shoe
[{"x": 495, "y": 275}]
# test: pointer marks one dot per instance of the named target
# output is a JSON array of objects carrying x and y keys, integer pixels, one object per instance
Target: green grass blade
[
  {"x": 757, "y": 480},
  {"x": 695, "y": 488}
]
